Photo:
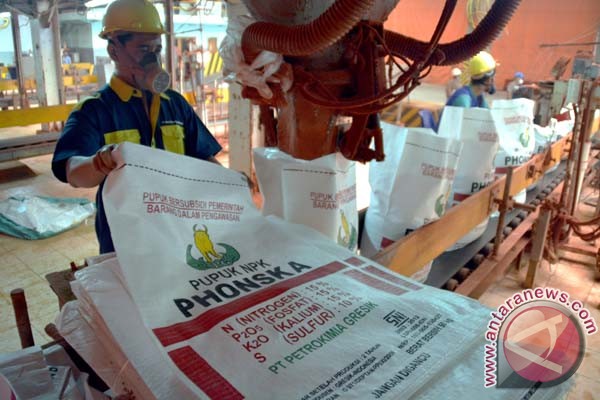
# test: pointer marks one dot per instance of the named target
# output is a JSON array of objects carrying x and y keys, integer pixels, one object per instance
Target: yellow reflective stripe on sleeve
[
  {"x": 173, "y": 136},
  {"x": 128, "y": 135}
]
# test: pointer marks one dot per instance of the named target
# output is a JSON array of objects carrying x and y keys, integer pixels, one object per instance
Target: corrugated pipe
[
  {"x": 459, "y": 50},
  {"x": 303, "y": 40}
]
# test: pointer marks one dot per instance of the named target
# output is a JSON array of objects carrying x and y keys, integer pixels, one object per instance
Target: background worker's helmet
[
  {"x": 456, "y": 72},
  {"x": 481, "y": 65},
  {"x": 139, "y": 16},
  {"x": 519, "y": 75}
]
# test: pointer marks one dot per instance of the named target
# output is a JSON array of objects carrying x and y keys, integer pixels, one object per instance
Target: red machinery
[{"x": 341, "y": 58}]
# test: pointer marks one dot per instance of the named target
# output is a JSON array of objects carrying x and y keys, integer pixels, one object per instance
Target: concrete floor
[{"x": 24, "y": 264}]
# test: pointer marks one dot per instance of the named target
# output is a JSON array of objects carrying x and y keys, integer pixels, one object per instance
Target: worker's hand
[{"x": 103, "y": 159}]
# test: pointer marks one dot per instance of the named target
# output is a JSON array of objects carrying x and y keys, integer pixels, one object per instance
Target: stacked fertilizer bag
[
  {"x": 206, "y": 298},
  {"x": 476, "y": 130},
  {"x": 34, "y": 373},
  {"x": 320, "y": 193},
  {"x": 514, "y": 124},
  {"x": 410, "y": 188}
]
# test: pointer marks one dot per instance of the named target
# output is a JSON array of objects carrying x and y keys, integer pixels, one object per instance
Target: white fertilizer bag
[
  {"x": 251, "y": 307},
  {"x": 410, "y": 188},
  {"x": 320, "y": 193},
  {"x": 268, "y": 163},
  {"x": 475, "y": 129},
  {"x": 514, "y": 124},
  {"x": 112, "y": 329},
  {"x": 563, "y": 128},
  {"x": 544, "y": 136}
]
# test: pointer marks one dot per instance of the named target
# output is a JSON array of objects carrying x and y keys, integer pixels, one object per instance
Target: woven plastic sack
[
  {"x": 246, "y": 306},
  {"x": 514, "y": 125},
  {"x": 410, "y": 188},
  {"x": 238, "y": 301},
  {"x": 39, "y": 217},
  {"x": 319, "y": 193},
  {"x": 476, "y": 129}
]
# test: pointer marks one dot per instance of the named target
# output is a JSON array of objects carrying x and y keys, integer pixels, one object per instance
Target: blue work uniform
[
  {"x": 464, "y": 97},
  {"x": 119, "y": 113}
]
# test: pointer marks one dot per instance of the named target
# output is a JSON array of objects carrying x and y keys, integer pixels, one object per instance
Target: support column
[
  {"x": 242, "y": 121},
  {"x": 540, "y": 231},
  {"x": 170, "y": 40},
  {"x": 55, "y": 27},
  {"x": 43, "y": 40},
  {"x": 16, "y": 34},
  {"x": 240, "y": 130},
  {"x": 584, "y": 142}
]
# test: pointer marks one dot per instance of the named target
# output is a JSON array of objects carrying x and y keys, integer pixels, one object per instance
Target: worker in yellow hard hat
[
  {"x": 481, "y": 69},
  {"x": 136, "y": 106}
]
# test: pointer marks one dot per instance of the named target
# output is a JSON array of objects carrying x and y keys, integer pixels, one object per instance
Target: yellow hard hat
[
  {"x": 481, "y": 64},
  {"x": 138, "y": 16}
]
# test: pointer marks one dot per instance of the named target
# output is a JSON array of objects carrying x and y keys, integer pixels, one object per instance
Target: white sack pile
[
  {"x": 34, "y": 373},
  {"x": 208, "y": 299},
  {"x": 40, "y": 217}
]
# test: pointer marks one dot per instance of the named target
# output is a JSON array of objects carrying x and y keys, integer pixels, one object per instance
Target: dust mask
[{"x": 155, "y": 78}]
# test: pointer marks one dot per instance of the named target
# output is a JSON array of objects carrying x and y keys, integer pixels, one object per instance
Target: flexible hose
[
  {"x": 459, "y": 50},
  {"x": 306, "y": 39},
  {"x": 449, "y": 7}
]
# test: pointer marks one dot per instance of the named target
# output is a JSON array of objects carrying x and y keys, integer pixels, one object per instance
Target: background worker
[
  {"x": 514, "y": 84},
  {"x": 481, "y": 69},
  {"x": 136, "y": 106},
  {"x": 66, "y": 58},
  {"x": 454, "y": 83}
]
